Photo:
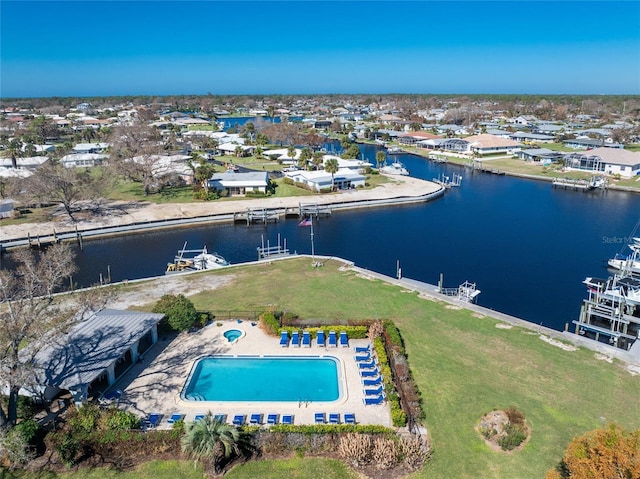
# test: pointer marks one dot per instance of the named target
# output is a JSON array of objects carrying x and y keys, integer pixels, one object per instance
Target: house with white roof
[
  {"x": 90, "y": 147},
  {"x": 83, "y": 160},
  {"x": 612, "y": 161},
  {"x": 320, "y": 180},
  {"x": 239, "y": 184}
]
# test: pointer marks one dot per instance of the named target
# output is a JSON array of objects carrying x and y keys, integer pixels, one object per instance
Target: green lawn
[{"x": 463, "y": 365}]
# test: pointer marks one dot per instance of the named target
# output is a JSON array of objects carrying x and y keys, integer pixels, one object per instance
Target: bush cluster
[
  {"x": 385, "y": 452},
  {"x": 180, "y": 313}
]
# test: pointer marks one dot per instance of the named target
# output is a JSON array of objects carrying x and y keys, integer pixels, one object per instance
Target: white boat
[
  {"x": 195, "y": 260},
  {"x": 617, "y": 290},
  {"x": 394, "y": 150},
  {"x": 395, "y": 168},
  {"x": 628, "y": 264}
]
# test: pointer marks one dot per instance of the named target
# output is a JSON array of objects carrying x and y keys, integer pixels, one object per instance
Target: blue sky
[{"x": 87, "y": 48}]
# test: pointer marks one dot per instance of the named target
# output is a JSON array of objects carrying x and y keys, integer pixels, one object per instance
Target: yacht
[
  {"x": 628, "y": 264},
  {"x": 395, "y": 168},
  {"x": 195, "y": 260}
]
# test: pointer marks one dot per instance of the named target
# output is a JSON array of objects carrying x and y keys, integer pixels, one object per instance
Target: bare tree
[
  {"x": 136, "y": 154},
  {"x": 31, "y": 314},
  {"x": 67, "y": 187}
]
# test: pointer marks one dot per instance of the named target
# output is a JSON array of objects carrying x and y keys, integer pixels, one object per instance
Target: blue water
[
  {"x": 527, "y": 245},
  {"x": 232, "y": 335},
  {"x": 282, "y": 379}
]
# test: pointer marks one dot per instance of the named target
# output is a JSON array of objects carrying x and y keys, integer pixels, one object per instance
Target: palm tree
[
  {"x": 305, "y": 156},
  {"x": 316, "y": 159},
  {"x": 380, "y": 158},
  {"x": 291, "y": 152},
  {"x": 211, "y": 438},
  {"x": 331, "y": 166}
]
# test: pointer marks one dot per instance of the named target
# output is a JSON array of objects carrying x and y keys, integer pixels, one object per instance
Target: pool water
[
  {"x": 281, "y": 379},
  {"x": 232, "y": 335}
]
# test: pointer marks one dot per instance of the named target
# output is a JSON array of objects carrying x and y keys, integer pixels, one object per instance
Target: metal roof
[{"x": 91, "y": 346}]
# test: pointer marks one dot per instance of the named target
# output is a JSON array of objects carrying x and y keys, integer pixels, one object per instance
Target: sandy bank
[{"x": 125, "y": 213}]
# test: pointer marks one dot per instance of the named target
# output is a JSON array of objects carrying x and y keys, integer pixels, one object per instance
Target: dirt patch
[
  {"x": 503, "y": 326},
  {"x": 558, "y": 344},
  {"x": 451, "y": 306},
  {"x": 495, "y": 426},
  {"x": 188, "y": 284},
  {"x": 603, "y": 357}
]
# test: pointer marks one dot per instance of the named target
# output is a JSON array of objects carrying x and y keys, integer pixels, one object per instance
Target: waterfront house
[
  {"x": 414, "y": 137},
  {"x": 486, "y": 144},
  {"x": 320, "y": 180},
  {"x": 612, "y": 161},
  {"x": 239, "y": 184},
  {"x": 590, "y": 143},
  {"x": 540, "y": 155}
]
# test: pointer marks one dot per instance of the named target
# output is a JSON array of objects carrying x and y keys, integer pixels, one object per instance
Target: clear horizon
[{"x": 162, "y": 48}]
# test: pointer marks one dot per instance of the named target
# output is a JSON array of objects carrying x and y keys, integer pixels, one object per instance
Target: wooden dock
[
  {"x": 313, "y": 209},
  {"x": 568, "y": 183},
  {"x": 257, "y": 215}
]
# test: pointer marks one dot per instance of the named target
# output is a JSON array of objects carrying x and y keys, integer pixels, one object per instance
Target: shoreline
[{"x": 127, "y": 217}]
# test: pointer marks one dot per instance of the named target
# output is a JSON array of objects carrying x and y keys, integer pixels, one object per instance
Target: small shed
[{"x": 6, "y": 208}]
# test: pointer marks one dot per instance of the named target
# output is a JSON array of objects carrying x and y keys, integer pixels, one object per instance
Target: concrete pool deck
[{"x": 154, "y": 384}]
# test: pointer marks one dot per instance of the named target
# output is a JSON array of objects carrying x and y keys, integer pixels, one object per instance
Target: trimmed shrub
[
  {"x": 180, "y": 313},
  {"x": 356, "y": 449},
  {"x": 270, "y": 323},
  {"x": 118, "y": 420}
]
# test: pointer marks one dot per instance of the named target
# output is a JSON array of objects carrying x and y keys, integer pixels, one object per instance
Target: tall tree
[
  {"x": 30, "y": 315},
  {"x": 305, "y": 156},
  {"x": 380, "y": 158},
  {"x": 316, "y": 159},
  {"x": 331, "y": 166},
  {"x": 291, "y": 152}
]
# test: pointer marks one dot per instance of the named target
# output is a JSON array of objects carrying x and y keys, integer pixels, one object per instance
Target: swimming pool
[
  {"x": 232, "y": 335},
  {"x": 269, "y": 378}
]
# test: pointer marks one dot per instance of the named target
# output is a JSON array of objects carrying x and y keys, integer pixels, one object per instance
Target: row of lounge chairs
[
  {"x": 334, "y": 418},
  {"x": 373, "y": 386},
  {"x": 321, "y": 341}
]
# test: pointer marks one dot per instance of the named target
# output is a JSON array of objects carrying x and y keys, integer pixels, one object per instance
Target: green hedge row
[
  {"x": 353, "y": 332},
  {"x": 326, "y": 428}
]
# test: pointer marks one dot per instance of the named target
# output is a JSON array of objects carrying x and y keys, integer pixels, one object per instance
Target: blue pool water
[
  {"x": 282, "y": 379},
  {"x": 232, "y": 335}
]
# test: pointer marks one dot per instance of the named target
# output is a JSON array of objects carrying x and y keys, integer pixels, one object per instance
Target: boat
[
  {"x": 628, "y": 264},
  {"x": 195, "y": 260},
  {"x": 394, "y": 150},
  {"x": 396, "y": 168}
]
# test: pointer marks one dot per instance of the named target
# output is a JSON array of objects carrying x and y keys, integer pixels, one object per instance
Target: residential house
[
  {"x": 612, "y": 161},
  {"x": 590, "y": 143},
  {"x": 239, "y": 184},
  {"x": 540, "y": 155},
  {"x": 486, "y": 144},
  {"x": 91, "y": 147},
  {"x": 320, "y": 180},
  {"x": 83, "y": 160}
]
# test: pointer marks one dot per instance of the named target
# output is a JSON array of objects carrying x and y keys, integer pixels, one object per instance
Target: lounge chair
[
  {"x": 321, "y": 339},
  {"x": 334, "y": 418},
  {"x": 373, "y": 401},
  {"x": 349, "y": 418},
  {"x": 360, "y": 349},
  {"x": 295, "y": 339},
  {"x": 370, "y": 365},
  {"x": 238, "y": 419},
  {"x": 198, "y": 417},
  {"x": 372, "y": 382},
  {"x": 306, "y": 339},
  {"x": 319, "y": 418},
  {"x": 113, "y": 395},
  {"x": 369, "y": 373},
  {"x": 272, "y": 418},
  {"x": 220, "y": 418},
  {"x": 373, "y": 392},
  {"x": 287, "y": 419},
  {"x": 363, "y": 357},
  {"x": 175, "y": 417},
  {"x": 255, "y": 418},
  {"x": 333, "y": 340},
  {"x": 284, "y": 339},
  {"x": 344, "y": 339},
  {"x": 153, "y": 419}
]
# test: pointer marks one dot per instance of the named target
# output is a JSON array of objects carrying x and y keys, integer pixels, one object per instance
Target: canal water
[{"x": 527, "y": 245}]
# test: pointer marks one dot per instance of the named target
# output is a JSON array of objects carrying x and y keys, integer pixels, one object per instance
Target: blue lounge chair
[
  {"x": 198, "y": 417},
  {"x": 284, "y": 339},
  {"x": 153, "y": 419},
  {"x": 238, "y": 420},
  {"x": 373, "y": 392},
  {"x": 363, "y": 357},
  {"x": 349, "y": 418},
  {"x": 373, "y": 401},
  {"x": 255, "y": 418},
  {"x": 333, "y": 339},
  {"x": 295, "y": 339},
  {"x": 321, "y": 339},
  {"x": 220, "y": 418},
  {"x": 372, "y": 382},
  {"x": 287, "y": 419},
  {"x": 319, "y": 418},
  {"x": 306, "y": 339},
  {"x": 334, "y": 418},
  {"x": 175, "y": 417},
  {"x": 272, "y": 418},
  {"x": 360, "y": 349},
  {"x": 344, "y": 339},
  {"x": 115, "y": 394},
  {"x": 370, "y": 373},
  {"x": 370, "y": 365}
]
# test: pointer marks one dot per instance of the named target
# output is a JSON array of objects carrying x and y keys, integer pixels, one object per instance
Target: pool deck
[{"x": 154, "y": 384}]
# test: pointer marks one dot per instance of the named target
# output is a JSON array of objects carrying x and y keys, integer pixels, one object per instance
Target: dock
[
  {"x": 595, "y": 182},
  {"x": 258, "y": 215},
  {"x": 449, "y": 182},
  {"x": 313, "y": 209}
]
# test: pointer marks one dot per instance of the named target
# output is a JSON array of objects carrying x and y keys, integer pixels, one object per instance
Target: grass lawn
[
  {"x": 297, "y": 468},
  {"x": 132, "y": 191},
  {"x": 464, "y": 366}
]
